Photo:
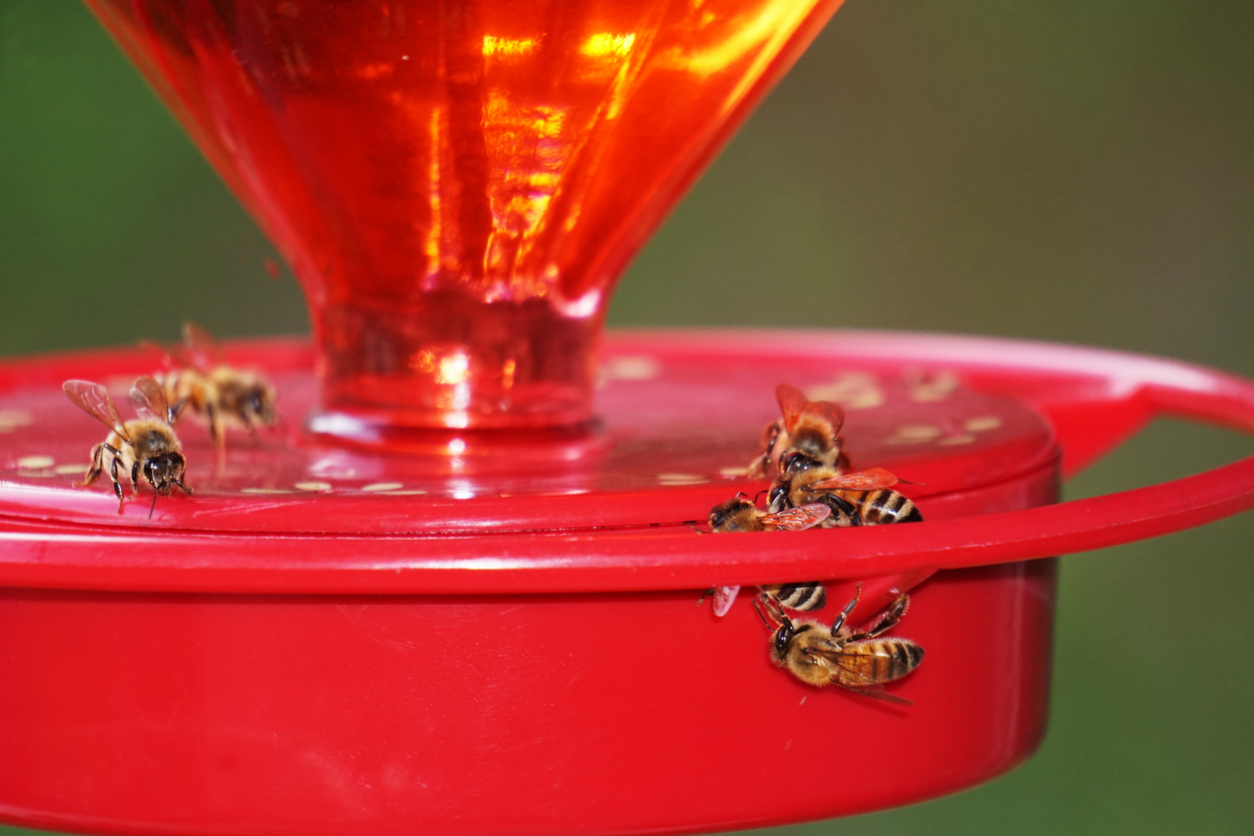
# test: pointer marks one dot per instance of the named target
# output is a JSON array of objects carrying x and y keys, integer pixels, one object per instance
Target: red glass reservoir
[{"x": 458, "y": 185}]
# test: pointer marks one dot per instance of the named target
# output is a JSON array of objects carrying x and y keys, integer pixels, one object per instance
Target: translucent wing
[
  {"x": 93, "y": 399},
  {"x": 171, "y": 355},
  {"x": 876, "y": 692},
  {"x": 799, "y": 518},
  {"x": 875, "y": 478},
  {"x": 149, "y": 401},
  {"x": 724, "y": 596},
  {"x": 202, "y": 349},
  {"x": 792, "y": 401}
]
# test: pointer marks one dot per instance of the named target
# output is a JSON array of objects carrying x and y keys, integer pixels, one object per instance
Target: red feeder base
[{"x": 500, "y": 635}]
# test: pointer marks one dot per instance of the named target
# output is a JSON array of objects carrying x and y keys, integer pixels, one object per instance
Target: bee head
[
  {"x": 165, "y": 471},
  {"x": 723, "y": 517},
  {"x": 782, "y": 639},
  {"x": 781, "y": 635},
  {"x": 797, "y": 462},
  {"x": 777, "y": 499}
]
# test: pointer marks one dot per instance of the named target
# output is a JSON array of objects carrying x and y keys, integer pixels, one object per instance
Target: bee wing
[
  {"x": 93, "y": 399},
  {"x": 724, "y": 597},
  {"x": 149, "y": 401},
  {"x": 792, "y": 401},
  {"x": 876, "y": 478},
  {"x": 172, "y": 356},
  {"x": 799, "y": 518},
  {"x": 202, "y": 349},
  {"x": 876, "y": 692},
  {"x": 166, "y": 353}
]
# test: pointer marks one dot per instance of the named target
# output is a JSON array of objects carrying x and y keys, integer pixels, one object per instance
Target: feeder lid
[
  {"x": 613, "y": 508},
  {"x": 680, "y": 421}
]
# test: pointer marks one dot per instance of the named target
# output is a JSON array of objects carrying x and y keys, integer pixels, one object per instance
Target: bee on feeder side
[
  {"x": 217, "y": 393},
  {"x": 802, "y": 597},
  {"x": 863, "y": 497},
  {"x": 808, "y": 427},
  {"x": 145, "y": 445},
  {"x": 858, "y": 661},
  {"x": 741, "y": 514}
]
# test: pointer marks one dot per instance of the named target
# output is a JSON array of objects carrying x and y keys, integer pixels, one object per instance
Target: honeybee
[
  {"x": 145, "y": 445},
  {"x": 863, "y": 497},
  {"x": 809, "y": 427},
  {"x": 741, "y": 514},
  {"x": 217, "y": 393},
  {"x": 803, "y": 597},
  {"x": 857, "y": 661}
]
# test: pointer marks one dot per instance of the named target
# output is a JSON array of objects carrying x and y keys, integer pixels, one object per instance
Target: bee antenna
[
  {"x": 784, "y": 621},
  {"x": 153, "y": 507},
  {"x": 757, "y": 495},
  {"x": 758, "y": 607}
]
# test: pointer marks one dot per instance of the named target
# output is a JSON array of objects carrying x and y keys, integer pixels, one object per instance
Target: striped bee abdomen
[
  {"x": 878, "y": 660},
  {"x": 799, "y": 596},
  {"x": 882, "y": 507}
]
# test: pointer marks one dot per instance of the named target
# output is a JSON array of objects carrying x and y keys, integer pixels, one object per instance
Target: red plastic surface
[
  {"x": 168, "y": 678},
  {"x": 545, "y": 715}
]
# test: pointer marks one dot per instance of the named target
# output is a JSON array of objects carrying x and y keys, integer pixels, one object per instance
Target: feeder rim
[{"x": 1057, "y": 380}]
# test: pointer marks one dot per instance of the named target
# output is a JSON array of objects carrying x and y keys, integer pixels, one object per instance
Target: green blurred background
[{"x": 1072, "y": 171}]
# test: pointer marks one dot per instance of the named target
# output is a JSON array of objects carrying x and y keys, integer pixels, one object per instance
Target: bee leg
[
  {"x": 216, "y": 433},
  {"x": 845, "y": 510},
  {"x": 95, "y": 468},
  {"x": 113, "y": 474},
  {"x": 135, "y": 478},
  {"x": 888, "y": 620},
  {"x": 777, "y": 617},
  {"x": 839, "y": 624},
  {"x": 176, "y": 412}
]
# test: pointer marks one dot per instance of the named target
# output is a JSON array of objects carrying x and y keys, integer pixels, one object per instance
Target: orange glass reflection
[{"x": 460, "y": 178}]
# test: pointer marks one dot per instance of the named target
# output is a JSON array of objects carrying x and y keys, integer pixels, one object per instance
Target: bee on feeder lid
[
  {"x": 808, "y": 427},
  {"x": 216, "y": 392},
  {"x": 145, "y": 445},
  {"x": 741, "y": 514},
  {"x": 858, "y": 661},
  {"x": 863, "y": 497}
]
